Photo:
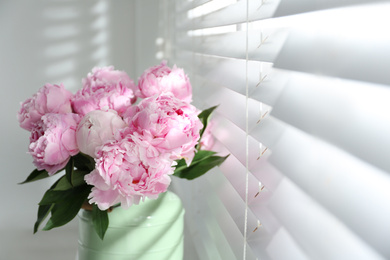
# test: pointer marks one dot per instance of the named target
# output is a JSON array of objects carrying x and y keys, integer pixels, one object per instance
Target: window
[{"x": 303, "y": 95}]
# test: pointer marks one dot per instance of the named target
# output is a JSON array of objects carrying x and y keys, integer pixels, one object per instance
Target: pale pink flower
[
  {"x": 104, "y": 88},
  {"x": 96, "y": 128},
  {"x": 207, "y": 140},
  {"x": 162, "y": 79},
  {"x": 53, "y": 141},
  {"x": 167, "y": 123},
  {"x": 128, "y": 171},
  {"x": 49, "y": 99}
]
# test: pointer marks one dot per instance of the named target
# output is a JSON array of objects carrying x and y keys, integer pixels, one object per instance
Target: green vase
[{"x": 149, "y": 231}]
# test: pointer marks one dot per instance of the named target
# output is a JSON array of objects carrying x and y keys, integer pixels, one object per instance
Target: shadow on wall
[
  {"x": 50, "y": 42},
  {"x": 76, "y": 38}
]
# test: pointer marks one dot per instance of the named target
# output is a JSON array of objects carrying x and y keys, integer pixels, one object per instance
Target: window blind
[{"x": 303, "y": 94}]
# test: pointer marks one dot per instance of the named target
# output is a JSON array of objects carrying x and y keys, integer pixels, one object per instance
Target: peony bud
[{"x": 96, "y": 128}]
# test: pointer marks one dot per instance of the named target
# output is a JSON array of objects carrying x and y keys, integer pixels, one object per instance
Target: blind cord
[{"x": 246, "y": 132}]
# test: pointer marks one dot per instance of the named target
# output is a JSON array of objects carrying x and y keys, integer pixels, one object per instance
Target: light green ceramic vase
[{"x": 152, "y": 230}]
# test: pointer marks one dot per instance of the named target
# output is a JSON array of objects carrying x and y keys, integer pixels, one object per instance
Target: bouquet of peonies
[{"x": 111, "y": 150}]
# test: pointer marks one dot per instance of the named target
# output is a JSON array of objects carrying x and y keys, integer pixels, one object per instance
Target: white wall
[{"x": 58, "y": 41}]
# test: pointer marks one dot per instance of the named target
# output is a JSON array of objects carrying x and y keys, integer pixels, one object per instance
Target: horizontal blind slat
[
  {"x": 345, "y": 120},
  {"x": 283, "y": 206},
  {"x": 319, "y": 47},
  {"x": 258, "y": 196},
  {"x": 325, "y": 180},
  {"x": 223, "y": 130},
  {"x": 335, "y": 57},
  {"x": 231, "y": 105},
  {"x": 267, "y": 174},
  {"x": 231, "y": 170},
  {"x": 217, "y": 229},
  {"x": 268, "y": 131},
  {"x": 291, "y": 250},
  {"x": 263, "y": 176},
  {"x": 233, "y": 14},
  {"x": 187, "y": 5},
  {"x": 234, "y": 205},
  {"x": 258, "y": 209},
  {"x": 262, "y": 45},
  {"x": 210, "y": 228},
  {"x": 290, "y": 7},
  {"x": 215, "y": 181},
  {"x": 296, "y": 147},
  {"x": 265, "y": 84},
  {"x": 319, "y": 234}
]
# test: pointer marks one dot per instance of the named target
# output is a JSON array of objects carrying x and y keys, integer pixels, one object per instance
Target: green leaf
[
  {"x": 204, "y": 117},
  {"x": 84, "y": 162},
  {"x": 78, "y": 177},
  {"x": 49, "y": 225},
  {"x": 69, "y": 170},
  {"x": 56, "y": 196},
  {"x": 205, "y": 114},
  {"x": 63, "y": 183},
  {"x": 65, "y": 210},
  {"x": 43, "y": 212},
  {"x": 181, "y": 164},
  {"x": 200, "y": 155},
  {"x": 100, "y": 221},
  {"x": 201, "y": 167},
  {"x": 36, "y": 175}
]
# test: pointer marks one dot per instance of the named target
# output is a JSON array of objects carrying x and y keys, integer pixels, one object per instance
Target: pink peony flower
[
  {"x": 53, "y": 141},
  {"x": 167, "y": 123},
  {"x": 104, "y": 88},
  {"x": 162, "y": 79},
  {"x": 96, "y": 128},
  {"x": 127, "y": 171},
  {"x": 207, "y": 140},
  {"x": 48, "y": 99}
]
